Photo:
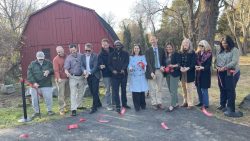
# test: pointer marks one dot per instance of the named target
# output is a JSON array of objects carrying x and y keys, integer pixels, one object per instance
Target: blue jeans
[
  {"x": 108, "y": 95},
  {"x": 203, "y": 96}
]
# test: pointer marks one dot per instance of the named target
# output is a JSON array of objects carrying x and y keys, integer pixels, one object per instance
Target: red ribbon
[
  {"x": 141, "y": 64},
  {"x": 219, "y": 78},
  {"x": 82, "y": 120},
  {"x": 168, "y": 69},
  {"x": 164, "y": 126},
  {"x": 101, "y": 120},
  {"x": 24, "y": 136},
  {"x": 72, "y": 126}
]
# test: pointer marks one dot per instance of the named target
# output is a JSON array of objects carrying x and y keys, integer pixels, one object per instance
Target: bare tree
[
  {"x": 109, "y": 18},
  {"x": 150, "y": 9},
  {"x": 14, "y": 15},
  {"x": 238, "y": 15},
  {"x": 139, "y": 16}
]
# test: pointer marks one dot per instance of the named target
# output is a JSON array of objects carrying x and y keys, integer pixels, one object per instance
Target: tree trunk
[
  {"x": 232, "y": 27},
  {"x": 143, "y": 42},
  {"x": 191, "y": 23},
  {"x": 209, "y": 11},
  {"x": 244, "y": 44},
  {"x": 153, "y": 26},
  {"x": 238, "y": 43}
]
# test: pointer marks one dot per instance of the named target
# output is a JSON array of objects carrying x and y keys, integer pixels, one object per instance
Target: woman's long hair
[
  {"x": 206, "y": 46},
  {"x": 229, "y": 41},
  {"x": 190, "y": 49},
  {"x": 133, "y": 53},
  {"x": 169, "y": 44}
]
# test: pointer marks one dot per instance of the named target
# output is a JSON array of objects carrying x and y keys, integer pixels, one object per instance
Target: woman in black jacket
[
  {"x": 187, "y": 68},
  {"x": 172, "y": 74},
  {"x": 203, "y": 72}
]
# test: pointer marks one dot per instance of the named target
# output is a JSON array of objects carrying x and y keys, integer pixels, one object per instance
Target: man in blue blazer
[{"x": 92, "y": 73}]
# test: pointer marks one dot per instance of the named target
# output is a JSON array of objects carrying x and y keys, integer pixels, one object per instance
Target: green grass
[
  {"x": 242, "y": 90},
  {"x": 10, "y": 116}
]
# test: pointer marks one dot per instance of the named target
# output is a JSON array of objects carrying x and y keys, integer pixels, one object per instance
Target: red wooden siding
[{"x": 61, "y": 23}]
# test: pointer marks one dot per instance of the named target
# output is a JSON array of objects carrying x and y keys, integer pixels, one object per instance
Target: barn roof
[{"x": 103, "y": 22}]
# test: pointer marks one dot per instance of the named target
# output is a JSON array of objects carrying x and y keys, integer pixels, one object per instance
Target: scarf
[{"x": 203, "y": 57}]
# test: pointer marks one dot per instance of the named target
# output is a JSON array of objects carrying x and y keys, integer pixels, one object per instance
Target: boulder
[
  {"x": 8, "y": 89},
  {"x": 245, "y": 104}
]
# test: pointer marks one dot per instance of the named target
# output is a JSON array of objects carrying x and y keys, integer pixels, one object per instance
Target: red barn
[{"x": 62, "y": 23}]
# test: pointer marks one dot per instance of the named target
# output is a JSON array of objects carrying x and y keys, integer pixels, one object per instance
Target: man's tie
[{"x": 156, "y": 57}]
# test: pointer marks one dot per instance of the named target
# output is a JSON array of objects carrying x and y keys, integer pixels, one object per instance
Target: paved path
[{"x": 185, "y": 125}]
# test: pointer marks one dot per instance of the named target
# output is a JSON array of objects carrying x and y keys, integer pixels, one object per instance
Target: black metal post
[
  {"x": 24, "y": 100},
  {"x": 25, "y": 118}
]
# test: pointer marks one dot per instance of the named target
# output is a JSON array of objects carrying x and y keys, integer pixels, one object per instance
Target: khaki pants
[
  {"x": 63, "y": 92},
  {"x": 155, "y": 86},
  {"x": 187, "y": 88},
  {"x": 77, "y": 88}
]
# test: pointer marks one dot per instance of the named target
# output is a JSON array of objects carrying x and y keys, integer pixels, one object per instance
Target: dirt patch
[{"x": 10, "y": 100}]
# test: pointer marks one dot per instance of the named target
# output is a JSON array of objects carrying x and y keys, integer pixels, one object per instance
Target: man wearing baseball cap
[{"x": 39, "y": 75}]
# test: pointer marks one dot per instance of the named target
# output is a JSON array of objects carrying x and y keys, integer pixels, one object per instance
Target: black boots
[{"x": 230, "y": 113}]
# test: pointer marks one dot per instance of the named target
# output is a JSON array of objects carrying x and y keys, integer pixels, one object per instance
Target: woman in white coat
[{"x": 138, "y": 84}]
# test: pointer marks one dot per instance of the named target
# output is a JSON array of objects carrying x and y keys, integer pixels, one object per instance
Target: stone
[
  {"x": 245, "y": 104},
  {"x": 8, "y": 89}
]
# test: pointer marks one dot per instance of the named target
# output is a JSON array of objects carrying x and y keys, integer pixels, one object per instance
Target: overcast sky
[{"x": 119, "y": 8}]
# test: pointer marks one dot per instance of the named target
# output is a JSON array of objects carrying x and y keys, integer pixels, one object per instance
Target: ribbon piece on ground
[
  {"x": 24, "y": 136},
  {"x": 101, "y": 120},
  {"x": 72, "y": 126},
  {"x": 164, "y": 126},
  {"x": 82, "y": 120}
]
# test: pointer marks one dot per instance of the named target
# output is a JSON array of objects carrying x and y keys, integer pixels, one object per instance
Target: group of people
[{"x": 146, "y": 74}]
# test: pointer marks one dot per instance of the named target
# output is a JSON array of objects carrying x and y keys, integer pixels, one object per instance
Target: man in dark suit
[
  {"x": 92, "y": 74},
  {"x": 155, "y": 57},
  {"x": 118, "y": 64}
]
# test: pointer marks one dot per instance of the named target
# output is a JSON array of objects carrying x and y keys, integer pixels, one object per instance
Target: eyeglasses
[
  {"x": 201, "y": 46},
  {"x": 87, "y": 50}
]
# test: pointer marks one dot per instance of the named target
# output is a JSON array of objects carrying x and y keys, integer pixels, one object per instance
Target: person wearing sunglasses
[
  {"x": 203, "y": 72},
  {"x": 89, "y": 65}
]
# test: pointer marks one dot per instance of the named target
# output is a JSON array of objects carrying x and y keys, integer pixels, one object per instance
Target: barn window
[{"x": 46, "y": 52}]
